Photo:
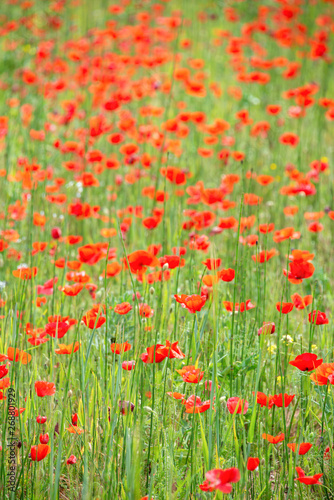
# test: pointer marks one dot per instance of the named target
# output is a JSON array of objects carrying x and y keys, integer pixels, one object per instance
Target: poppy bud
[
  {"x": 70, "y": 393},
  {"x": 56, "y": 233},
  {"x": 44, "y": 438},
  {"x": 165, "y": 266},
  {"x": 75, "y": 419},
  {"x": 41, "y": 420},
  {"x": 152, "y": 290}
]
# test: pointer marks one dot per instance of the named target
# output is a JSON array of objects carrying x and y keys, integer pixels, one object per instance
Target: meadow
[{"x": 166, "y": 249}]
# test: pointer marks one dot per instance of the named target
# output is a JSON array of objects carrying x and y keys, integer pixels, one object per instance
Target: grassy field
[{"x": 166, "y": 249}]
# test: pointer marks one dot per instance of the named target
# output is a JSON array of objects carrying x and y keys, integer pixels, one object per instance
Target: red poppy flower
[
  {"x": 44, "y": 388},
  {"x": 236, "y": 405},
  {"x": 72, "y": 290},
  {"x": 318, "y": 318},
  {"x": 302, "y": 478},
  {"x": 18, "y": 356},
  {"x": 123, "y": 308},
  {"x": 93, "y": 318},
  {"x": 299, "y": 270},
  {"x": 274, "y": 439},
  {"x": 323, "y": 374},
  {"x": 120, "y": 348},
  {"x": 264, "y": 256},
  {"x": 195, "y": 405},
  {"x": 67, "y": 349},
  {"x": 226, "y": 275},
  {"x": 277, "y": 400},
  {"x": 243, "y": 306},
  {"x": 193, "y": 303},
  {"x": 25, "y": 273},
  {"x": 267, "y": 328},
  {"x": 191, "y": 374},
  {"x": 128, "y": 365},
  {"x": 140, "y": 261},
  {"x": 284, "y": 307},
  {"x": 39, "y": 452},
  {"x": 145, "y": 311},
  {"x": 302, "y": 449},
  {"x": 57, "y": 329},
  {"x": 221, "y": 480},
  {"x": 176, "y": 395},
  {"x": 212, "y": 264},
  {"x": 172, "y": 351},
  {"x": 306, "y": 362},
  {"x": 253, "y": 463},
  {"x": 3, "y": 371},
  {"x": 299, "y": 302},
  {"x": 71, "y": 460},
  {"x": 153, "y": 354},
  {"x": 264, "y": 400}
]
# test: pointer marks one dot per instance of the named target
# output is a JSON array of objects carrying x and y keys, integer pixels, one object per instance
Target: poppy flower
[
  {"x": 323, "y": 374},
  {"x": 74, "y": 430},
  {"x": 145, "y": 311},
  {"x": 267, "y": 328},
  {"x": 302, "y": 449},
  {"x": 243, "y": 306},
  {"x": 277, "y": 400},
  {"x": 71, "y": 460},
  {"x": 264, "y": 400},
  {"x": 41, "y": 420},
  {"x": 67, "y": 349},
  {"x": 175, "y": 395},
  {"x": 172, "y": 351},
  {"x": 226, "y": 275},
  {"x": 299, "y": 270},
  {"x": 191, "y": 374},
  {"x": 140, "y": 261},
  {"x": 284, "y": 307},
  {"x": 299, "y": 302},
  {"x": 274, "y": 439},
  {"x": 39, "y": 452},
  {"x": 18, "y": 356},
  {"x": 128, "y": 365},
  {"x": 44, "y": 388},
  {"x": 25, "y": 273},
  {"x": 221, "y": 479},
  {"x": 120, "y": 348},
  {"x": 72, "y": 290},
  {"x": 302, "y": 478},
  {"x": 195, "y": 405},
  {"x": 205, "y": 486},
  {"x": 253, "y": 463},
  {"x": 3, "y": 371},
  {"x": 237, "y": 405},
  {"x": 212, "y": 264},
  {"x": 57, "y": 329},
  {"x": 93, "y": 318},
  {"x": 289, "y": 139},
  {"x": 318, "y": 318},
  {"x": 264, "y": 256},
  {"x": 193, "y": 303},
  {"x": 306, "y": 362},
  {"x": 123, "y": 308},
  {"x": 153, "y": 354}
]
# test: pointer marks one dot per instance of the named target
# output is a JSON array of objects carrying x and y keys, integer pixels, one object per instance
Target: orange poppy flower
[{"x": 67, "y": 349}]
